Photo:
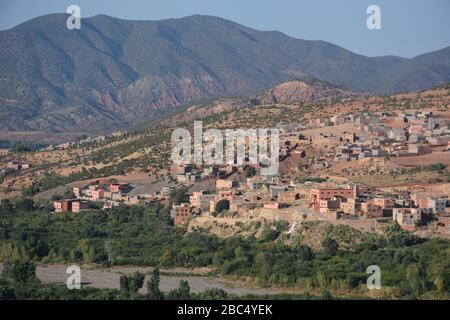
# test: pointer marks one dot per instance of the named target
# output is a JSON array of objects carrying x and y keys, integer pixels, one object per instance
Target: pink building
[
  {"x": 323, "y": 194},
  {"x": 181, "y": 212},
  {"x": 224, "y": 184},
  {"x": 77, "y": 206},
  {"x": 97, "y": 194},
  {"x": 120, "y": 187}
]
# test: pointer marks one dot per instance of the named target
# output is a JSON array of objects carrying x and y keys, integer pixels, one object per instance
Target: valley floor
[{"x": 109, "y": 278}]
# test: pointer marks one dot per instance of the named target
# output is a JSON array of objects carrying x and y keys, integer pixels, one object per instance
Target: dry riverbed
[{"x": 109, "y": 278}]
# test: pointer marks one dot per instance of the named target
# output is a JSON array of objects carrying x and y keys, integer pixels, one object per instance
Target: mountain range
[{"x": 113, "y": 73}]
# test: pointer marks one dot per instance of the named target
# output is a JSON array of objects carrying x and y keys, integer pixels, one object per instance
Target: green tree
[
  {"x": 132, "y": 283},
  {"x": 213, "y": 294},
  {"x": 7, "y": 293},
  {"x": 20, "y": 271},
  {"x": 182, "y": 293},
  {"x": 25, "y": 204},
  {"x": 177, "y": 196},
  {"x": 68, "y": 193},
  {"x": 56, "y": 197},
  {"x": 249, "y": 171},
  {"x": 330, "y": 246},
  {"x": 153, "y": 292},
  {"x": 222, "y": 205},
  {"x": 416, "y": 276}
]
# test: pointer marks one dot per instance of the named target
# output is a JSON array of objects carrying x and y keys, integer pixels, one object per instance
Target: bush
[{"x": 222, "y": 205}]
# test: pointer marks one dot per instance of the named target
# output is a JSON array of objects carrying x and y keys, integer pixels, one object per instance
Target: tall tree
[
  {"x": 153, "y": 286},
  {"x": 132, "y": 283},
  {"x": 330, "y": 246}
]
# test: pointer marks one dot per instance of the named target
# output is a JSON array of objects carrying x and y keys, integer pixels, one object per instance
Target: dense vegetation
[
  {"x": 311, "y": 179},
  {"x": 143, "y": 235}
]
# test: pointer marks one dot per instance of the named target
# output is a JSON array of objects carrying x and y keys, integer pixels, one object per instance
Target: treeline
[{"x": 143, "y": 235}]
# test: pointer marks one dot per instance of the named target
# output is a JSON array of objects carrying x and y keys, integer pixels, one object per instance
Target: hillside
[
  {"x": 147, "y": 151},
  {"x": 299, "y": 92},
  {"x": 113, "y": 73},
  {"x": 304, "y": 91}
]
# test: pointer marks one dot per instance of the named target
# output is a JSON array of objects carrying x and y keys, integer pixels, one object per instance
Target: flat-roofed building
[
  {"x": 318, "y": 194},
  {"x": 97, "y": 194},
  {"x": 120, "y": 187},
  {"x": 78, "y": 206},
  {"x": 180, "y": 213},
  {"x": 329, "y": 204},
  {"x": 238, "y": 203},
  {"x": 406, "y": 217},
  {"x": 351, "y": 206},
  {"x": 58, "y": 206},
  {"x": 384, "y": 203},
  {"x": 437, "y": 204},
  {"x": 201, "y": 200},
  {"x": 371, "y": 210},
  {"x": 63, "y": 205},
  {"x": 229, "y": 194},
  {"x": 223, "y": 184},
  {"x": 275, "y": 190}
]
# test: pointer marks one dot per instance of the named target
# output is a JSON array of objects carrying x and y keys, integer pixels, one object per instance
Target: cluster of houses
[
  {"x": 332, "y": 202},
  {"x": 188, "y": 175},
  {"x": 416, "y": 133},
  {"x": 13, "y": 166},
  {"x": 110, "y": 194},
  {"x": 382, "y": 135},
  {"x": 390, "y": 135},
  {"x": 387, "y": 135},
  {"x": 258, "y": 191},
  {"x": 407, "y": 210}
]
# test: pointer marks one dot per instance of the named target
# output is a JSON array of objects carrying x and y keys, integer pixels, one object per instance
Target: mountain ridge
[{"x": 114, "y": 72}]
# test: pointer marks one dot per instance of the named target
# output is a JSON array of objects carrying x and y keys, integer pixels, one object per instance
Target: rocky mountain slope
[
  {"x": 296, "y": 92},
  {"x": 304, "y": 91},
  {"x": 113, "y": 73}
]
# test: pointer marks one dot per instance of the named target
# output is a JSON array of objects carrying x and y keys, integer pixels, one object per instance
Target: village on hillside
[
  {"x": 219, "y": 159},
  {"x": 314, "y": 159}
]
